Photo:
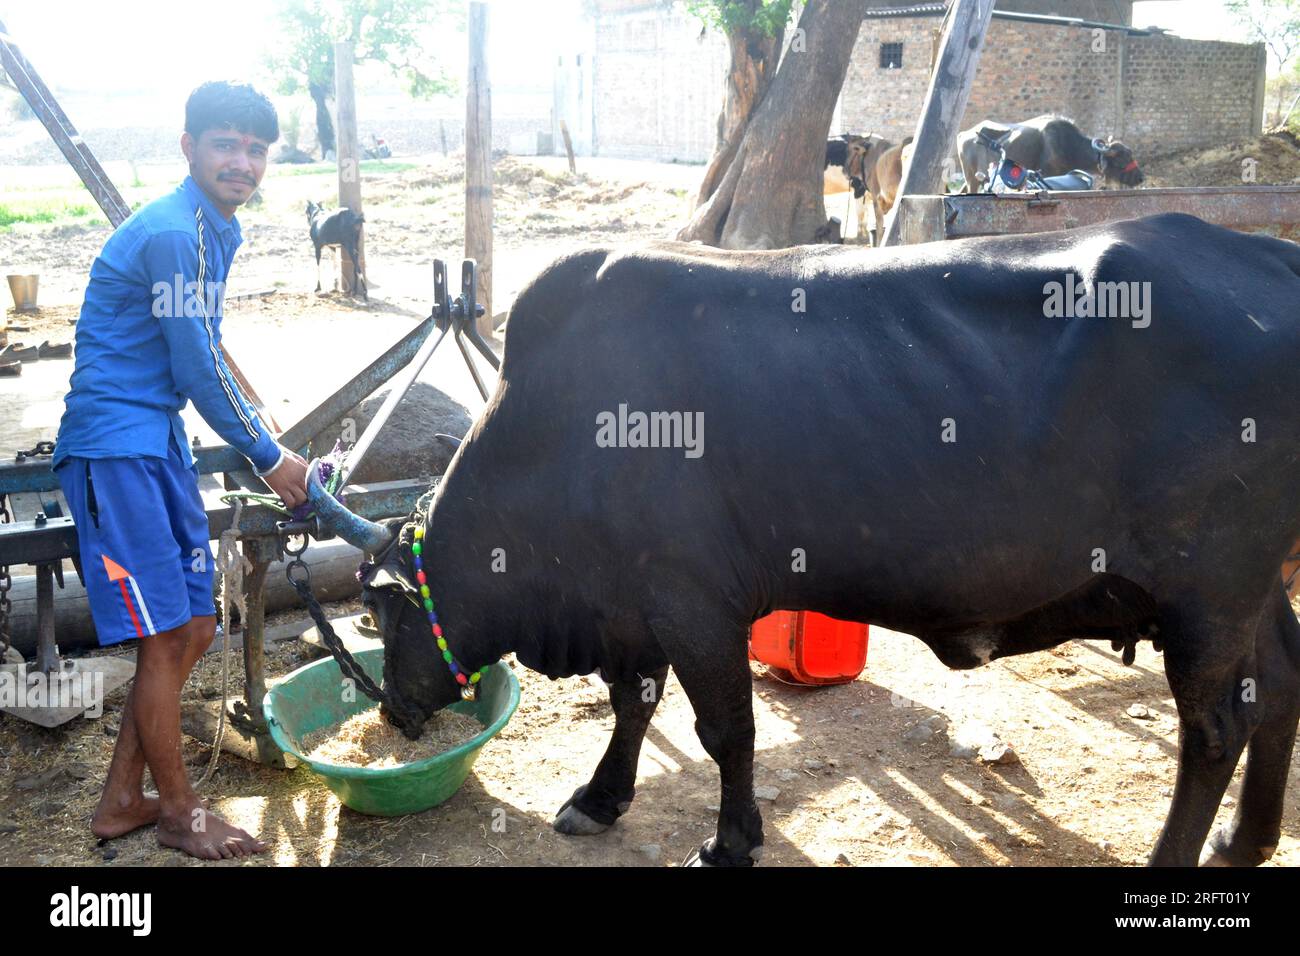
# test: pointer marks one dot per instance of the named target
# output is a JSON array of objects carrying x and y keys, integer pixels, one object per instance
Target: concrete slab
[{"x": 77, "y": 690}]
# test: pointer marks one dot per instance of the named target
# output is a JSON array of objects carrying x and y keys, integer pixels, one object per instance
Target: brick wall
[
  {"x": 1186, "y": 92},
  {"x": 659, "y": 85},
  {"x": 1119, "y": 12},
  {"x": 1157, "y": 93}
]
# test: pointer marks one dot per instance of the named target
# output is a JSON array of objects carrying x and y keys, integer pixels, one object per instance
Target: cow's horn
[
  {"x": 451, "y": 441},
  {"x": 355, "y": 530}
]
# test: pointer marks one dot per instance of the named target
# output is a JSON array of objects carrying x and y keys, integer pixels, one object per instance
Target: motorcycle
[
  {"x": 1007, "y": 176},
  {"x": 378, "y": 148}
]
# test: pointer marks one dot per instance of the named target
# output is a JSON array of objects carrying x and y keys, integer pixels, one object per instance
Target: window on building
[{"x": 891, "y": 56}]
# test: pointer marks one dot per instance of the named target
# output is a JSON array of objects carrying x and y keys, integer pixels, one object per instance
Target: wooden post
[
  {"x": 478, "y": 162},
  {"x": 349, "y": 162},
  {"x": 945, "y": 103},
  {"x": 38, "y": 96},
  {"x": 568, "y": 145}
]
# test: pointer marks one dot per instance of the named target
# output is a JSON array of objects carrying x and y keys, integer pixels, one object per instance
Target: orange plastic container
[{"x": 814, "y": 648}]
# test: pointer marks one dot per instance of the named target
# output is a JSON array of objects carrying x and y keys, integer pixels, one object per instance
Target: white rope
[{"x": 232, "y": 564}]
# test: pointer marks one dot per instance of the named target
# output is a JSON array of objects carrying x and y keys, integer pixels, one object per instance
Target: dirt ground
[
  {"x": 854, "y": 781},
  {"x": 857, "y": 780},
  {"x": 1275, "y": 156},
  {"x": 414, "y": 211}
]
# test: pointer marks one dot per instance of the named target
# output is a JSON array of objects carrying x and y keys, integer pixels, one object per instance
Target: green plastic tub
[{"x": 311, "y": 698}]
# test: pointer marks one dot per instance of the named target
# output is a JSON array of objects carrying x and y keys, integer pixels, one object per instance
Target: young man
[{"x": 147, "y": 342}]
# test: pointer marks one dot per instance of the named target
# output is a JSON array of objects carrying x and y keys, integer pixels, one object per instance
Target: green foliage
[
  {"x": 331, "y": 169},
  {"x": 398, "y": 33},
  {"x": 765, "y": 17},
  {"x": 40, "y": 211}
]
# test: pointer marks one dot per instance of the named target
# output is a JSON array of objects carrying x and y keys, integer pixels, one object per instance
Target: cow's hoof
[
  {"x": 1219, "y": 851},
  {"x": 694, "y": 859},
  {"x": 709, "y": 855},
  {"x": 575, "y": 821}
]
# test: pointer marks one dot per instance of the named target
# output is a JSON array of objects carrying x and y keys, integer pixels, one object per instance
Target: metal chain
[
  {"x": 347, "y": 663},
  {"x": 6, "y": 582},
  {"x": 42, "y": 449}
]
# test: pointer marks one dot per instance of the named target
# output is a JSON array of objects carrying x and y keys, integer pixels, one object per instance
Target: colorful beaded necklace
[{"x": 468, "y": 682}]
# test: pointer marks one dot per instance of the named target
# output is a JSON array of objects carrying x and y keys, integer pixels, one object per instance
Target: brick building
[
  {"x": 651, "y": 79},
  {"x": 1155, "y": 91}
]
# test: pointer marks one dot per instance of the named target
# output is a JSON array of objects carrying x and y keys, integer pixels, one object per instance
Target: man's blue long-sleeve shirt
[{"x": 149, "y": 337}]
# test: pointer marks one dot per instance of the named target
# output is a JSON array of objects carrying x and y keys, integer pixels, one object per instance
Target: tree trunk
[
  {"x": 324, "y": 125},
  {"x": 753, "y": 63},
  {"x": 770, "y": 195}
]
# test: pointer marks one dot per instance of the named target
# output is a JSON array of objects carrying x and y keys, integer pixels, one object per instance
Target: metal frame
[{"x": 1274, "y": 210}]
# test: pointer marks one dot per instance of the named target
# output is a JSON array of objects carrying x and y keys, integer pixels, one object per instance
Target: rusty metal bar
[
  {"x": 47, "y": 651},
  {"x": 26, "y": 542},
  {"x": 1274, "y": 210},
  {"x": 366, "y": 381}
]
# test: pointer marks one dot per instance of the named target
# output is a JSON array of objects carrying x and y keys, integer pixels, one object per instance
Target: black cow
[
  {"x": 341, "y": 228},
  {"x": 1051, "y": 145},
  {"x": 950, "y": 460}
]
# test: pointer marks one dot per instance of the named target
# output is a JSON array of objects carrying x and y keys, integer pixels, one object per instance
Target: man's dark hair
[{"x": 221, "y": 104}]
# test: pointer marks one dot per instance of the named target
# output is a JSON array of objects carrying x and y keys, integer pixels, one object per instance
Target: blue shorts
[{"x": 144, "y": 542}]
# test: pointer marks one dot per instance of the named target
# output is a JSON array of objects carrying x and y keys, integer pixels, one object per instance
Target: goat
[{"x": 341, "y": 228}]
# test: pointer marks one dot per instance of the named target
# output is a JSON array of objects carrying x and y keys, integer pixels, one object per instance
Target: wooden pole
[
  {"x": 38, "y": 96},
  {"x": 945, "y": 104},
  {"x": 349, "y": 154},
  {"x": 478, "y": 162},
  {"x": 568, "y": 145}
]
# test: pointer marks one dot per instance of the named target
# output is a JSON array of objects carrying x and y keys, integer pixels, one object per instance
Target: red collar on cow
[{"x": 468, "y": 682}]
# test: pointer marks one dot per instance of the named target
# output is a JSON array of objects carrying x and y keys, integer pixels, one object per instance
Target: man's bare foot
[
  {"x": 203, "y": 834},
  {"x": 115, "y": 818}
]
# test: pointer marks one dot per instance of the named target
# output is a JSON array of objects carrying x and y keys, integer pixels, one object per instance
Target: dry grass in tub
[{"x": 367, "y": 740}]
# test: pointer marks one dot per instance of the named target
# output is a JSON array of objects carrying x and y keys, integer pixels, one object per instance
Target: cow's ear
[
  {"x": 394, "y": 568},
  {"x": 392, "y": 576}
]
